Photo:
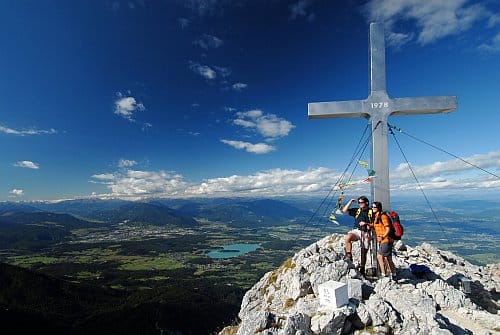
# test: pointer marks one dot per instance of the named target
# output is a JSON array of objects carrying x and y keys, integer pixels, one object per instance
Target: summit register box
[{"x": 333, "y": 294}]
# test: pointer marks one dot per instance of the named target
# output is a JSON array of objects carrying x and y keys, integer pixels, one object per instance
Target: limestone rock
[{"x": 286, "y": 300}]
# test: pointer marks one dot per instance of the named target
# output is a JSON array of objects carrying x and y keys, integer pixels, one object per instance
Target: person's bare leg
[
  {"x": 381, "y": 262},
  {"x": 391, "y": 264},
  {"x": 349, "y": 238},
  {"x": 363, "y": 260}
]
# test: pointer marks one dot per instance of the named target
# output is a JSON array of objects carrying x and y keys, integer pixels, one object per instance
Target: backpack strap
[{"x": 370, "y": 214}]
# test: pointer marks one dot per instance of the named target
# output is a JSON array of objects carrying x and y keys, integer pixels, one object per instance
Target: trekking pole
[{"x": 374, "y": 252}]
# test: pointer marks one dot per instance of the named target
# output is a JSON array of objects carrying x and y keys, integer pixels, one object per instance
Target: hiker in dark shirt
[{"x": 362, "y": 218}]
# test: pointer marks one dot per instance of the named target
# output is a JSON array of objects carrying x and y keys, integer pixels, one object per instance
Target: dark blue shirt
[{"x": 363, "y": 216}]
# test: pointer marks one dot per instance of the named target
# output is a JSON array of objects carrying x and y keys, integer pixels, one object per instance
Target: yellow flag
[{"x": 363, "y": 164}]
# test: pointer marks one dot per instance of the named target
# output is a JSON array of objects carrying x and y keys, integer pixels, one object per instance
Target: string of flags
[{"x": 344, "y": 185}]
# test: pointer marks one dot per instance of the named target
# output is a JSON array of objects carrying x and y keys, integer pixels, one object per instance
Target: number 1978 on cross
[{"x": 379, "y": 104}]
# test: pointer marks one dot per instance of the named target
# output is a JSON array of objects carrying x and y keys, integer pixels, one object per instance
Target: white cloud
[
  {"x": 134, "y": 184},
  {"x": 244, "y": 123},
  {"x": 146, "y": 126},
  {"x": 203, "y": 70},
  {"x": 126, "y": 163},
  {"x": 104, "y": 176},
  {"x": 32, "y": 131},
  {"x": 270, "y": 182},
  {"x": 484, "y": 161},
  {"x": 207, "y": 41},
  {"x": 253, "y": 114},
  {"x": 223, "y": 71},
  {"x": 493, "y": 47},
  {"x": 300, "y": 9},
  {"x": 494, "y": 20},
  {"x": 435, "y": 19},
  {"x": 272, "y": 126},
  {"x": 16, "y": 192},
  {"x": 453, "y": 175},
  {"x": 138, "y": 184},
  {"x": 398, "y": 39},
  {"x": 27, "y": 164},
  {"x": 239, "y": 86},
  {"x": 259, "y": 148},
  {"x": 126, "y": 106},
  {"x": 268, "y": 125}
]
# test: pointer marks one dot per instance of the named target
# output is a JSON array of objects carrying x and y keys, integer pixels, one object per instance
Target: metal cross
[{"x": 377, "y": 108}]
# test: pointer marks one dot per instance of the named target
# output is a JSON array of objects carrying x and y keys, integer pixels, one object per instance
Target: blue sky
[{"x": 138, "y": 99}]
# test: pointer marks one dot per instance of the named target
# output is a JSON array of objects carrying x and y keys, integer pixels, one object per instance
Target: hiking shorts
[
  {"x": 363, "y": 236},
  {"x": 385, "y": 249}
]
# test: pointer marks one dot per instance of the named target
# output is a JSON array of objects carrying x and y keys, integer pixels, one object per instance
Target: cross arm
[
  {"x": 337, "y": 109},
  {"x": 424, "y": 105}
]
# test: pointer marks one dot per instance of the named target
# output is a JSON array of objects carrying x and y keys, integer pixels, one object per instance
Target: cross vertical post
[{"x": 377, "y": 108}]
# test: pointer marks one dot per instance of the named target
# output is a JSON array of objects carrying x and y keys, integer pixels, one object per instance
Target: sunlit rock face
[{"x": 455, "y": 297}]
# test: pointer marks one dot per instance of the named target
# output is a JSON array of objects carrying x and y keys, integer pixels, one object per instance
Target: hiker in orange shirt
[{"x": 382, "y": 226}]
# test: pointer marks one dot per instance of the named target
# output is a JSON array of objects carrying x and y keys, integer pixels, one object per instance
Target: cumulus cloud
[
  {"x": 203, "y": 70},
  {"x": 27, "y": 164},
  {"x": 258, "y": 148},
  {"x": 126, "y": 106},
  {"x": 450, "y": 175},
  {"x": 239, "y": 86},
  {"x": 104, "y": 176},
  {"x": 126, "y": 163},
  {"x": 435, "y": 19},
  {"x": 223, "y": 71},
  {"x": 484, "y": 161},
  {"x": 137, "y": 184},
  {"x": 26, "y": 132},
  {"x": 207, "y": 41},
  {"x": 270, "y": 182},
  {"x": 268, "y": 125},
  {"x": 16, "y": 192}
]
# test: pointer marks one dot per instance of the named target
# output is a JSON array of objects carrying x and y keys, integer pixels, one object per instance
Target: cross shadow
[{"x": 478, "y": 293}]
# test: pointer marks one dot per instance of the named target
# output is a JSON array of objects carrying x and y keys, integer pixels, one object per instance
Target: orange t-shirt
[{"x": 380, "y": 224}]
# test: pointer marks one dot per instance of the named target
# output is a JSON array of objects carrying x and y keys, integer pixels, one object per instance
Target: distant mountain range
[
  {"x": 253, "y": 212},
  {"x": 34, "y": 225},
  {"x": 33, "y": 230},
  {"x": 145, "y": 213},
  {"x": 177, "y": 212}
]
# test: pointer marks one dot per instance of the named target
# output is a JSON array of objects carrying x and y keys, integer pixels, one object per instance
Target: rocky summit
[{"x": 452, "y": 296}]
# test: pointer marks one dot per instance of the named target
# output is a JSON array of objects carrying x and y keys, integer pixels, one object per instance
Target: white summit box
[{"x": 333, "y": 294}]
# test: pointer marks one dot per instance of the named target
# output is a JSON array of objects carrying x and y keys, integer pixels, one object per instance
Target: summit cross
[{"x": 377, "y": 108}]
